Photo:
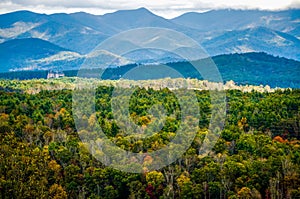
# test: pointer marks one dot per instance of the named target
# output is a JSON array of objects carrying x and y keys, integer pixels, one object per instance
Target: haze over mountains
[{"x": 65, "y": 40}]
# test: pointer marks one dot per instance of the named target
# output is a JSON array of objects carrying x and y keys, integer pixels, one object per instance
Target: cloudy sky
[{"x": 165, "y": 8}]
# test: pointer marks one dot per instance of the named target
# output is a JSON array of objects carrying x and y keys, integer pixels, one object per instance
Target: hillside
[
  {"x": 250, "y": 40},
  {"x": 259, "y": 68},
  {"x": 247, "y": 68},
  {"x": 18, "y": 52},
  {"x": 229, "y": 19},
  {"x": 82, "y": 32}
]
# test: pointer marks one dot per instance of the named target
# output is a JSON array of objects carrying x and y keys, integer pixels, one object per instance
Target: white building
[{"x": 55, "y": 74}]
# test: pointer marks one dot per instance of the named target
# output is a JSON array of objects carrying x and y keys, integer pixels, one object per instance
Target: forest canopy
[{"x": 42, "y": 156}]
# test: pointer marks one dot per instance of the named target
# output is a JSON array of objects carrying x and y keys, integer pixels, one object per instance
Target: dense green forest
[{"x": 42, "y": 156}]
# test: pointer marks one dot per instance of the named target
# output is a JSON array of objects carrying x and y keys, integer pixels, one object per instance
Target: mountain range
[{"x": 33, "y": 41}]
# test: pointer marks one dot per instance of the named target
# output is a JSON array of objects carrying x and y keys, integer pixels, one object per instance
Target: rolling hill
[
  {"x": 246, "y": 68},
  {"x": 218, "y": 21},
  {"x": 17, "y": 53},
  {"x": 82, "y": 32},
  {"x": 250, "y": 40},
  {"x": 35, "y": 54}
]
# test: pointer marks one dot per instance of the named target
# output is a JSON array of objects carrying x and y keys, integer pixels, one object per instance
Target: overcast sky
[{"x": 165, "y": 8}]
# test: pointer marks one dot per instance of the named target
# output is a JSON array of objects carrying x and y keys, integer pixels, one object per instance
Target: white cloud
[{"x": 165, "y": 8}]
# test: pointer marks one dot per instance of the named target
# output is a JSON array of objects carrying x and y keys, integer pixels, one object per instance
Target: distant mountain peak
[
  {"x": 143, "y": 9},
  {"x": 20, "y": 12},
  {"x": 138, "y": 11}
]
